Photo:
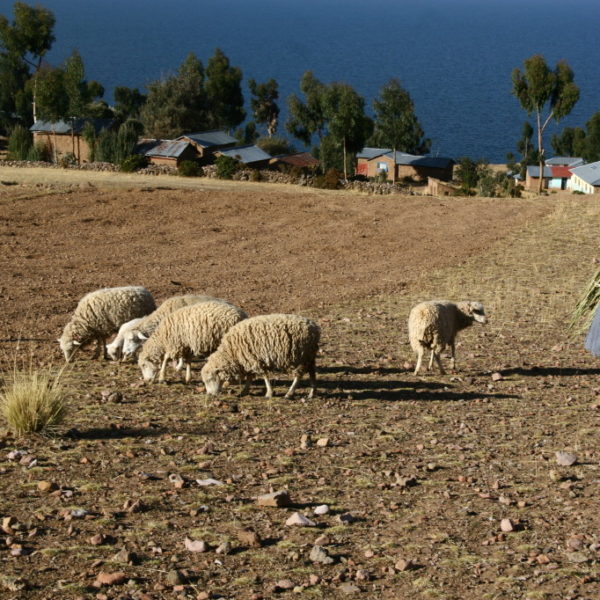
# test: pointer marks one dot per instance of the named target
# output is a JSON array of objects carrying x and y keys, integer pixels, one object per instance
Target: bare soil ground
[{"x": 428, "y": 467}]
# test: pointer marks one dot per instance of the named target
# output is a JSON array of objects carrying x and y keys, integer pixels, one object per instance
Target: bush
[
  {"x": 32, "y": 402},
  {"x": 133, "y": 163},
  {"x": 329, "y": 181},
  {"x": 20, "y": 143},
  {"x": 189, "y": 168},
  {"x": 40, "y": 152},
  {"x": 226, "y": 167},
  {"x": 67, "y": 160},
  {"x": 255, "y": 175}
]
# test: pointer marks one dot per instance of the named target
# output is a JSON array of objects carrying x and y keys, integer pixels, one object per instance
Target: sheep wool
[
  {"x": 191, "y": 331},
  {"x": 115, "y": 348},
  {"x": 260, "y": 345},
  {"x": 99, "y": 314},
  {"x": 434, "y": 325},
  {"x": 135, "y": 337}
]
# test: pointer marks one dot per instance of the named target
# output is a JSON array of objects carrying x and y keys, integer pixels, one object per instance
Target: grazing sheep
[
  {"x": 194, "y": 330},
  {"x": 115, "y": 348},
  {"x": 135, "y": 337},
  {"x": 434, "y": 325},
  {"x": 263, "y": 344},
  {"x": 99, "y": 314}
]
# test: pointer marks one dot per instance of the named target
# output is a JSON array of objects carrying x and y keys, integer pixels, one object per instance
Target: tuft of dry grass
[
  {"x": 584, "y": 311},
  {"x": 32, "y": 401}
]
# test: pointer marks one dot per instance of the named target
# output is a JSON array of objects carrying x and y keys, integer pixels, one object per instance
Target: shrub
[
  {"x": 133, "y": 163},
  {"x": 226, "y": 167},
  {"x": 19, "y": 143},
  {"x": 255, "y": 175},
  {"x": 189, "y": 168},
  {"x": 40, "y": 152},
  {"x": 32, "y": 402},
  {"x": 329, "y": 181}
]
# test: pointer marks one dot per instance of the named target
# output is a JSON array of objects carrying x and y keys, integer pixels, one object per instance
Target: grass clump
[
  {"x": 32, "y": 401},
  {"x": 584, "y": 311}
]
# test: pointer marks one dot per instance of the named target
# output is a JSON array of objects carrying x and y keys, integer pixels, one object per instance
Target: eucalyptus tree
[
  {"x": 307, "y": 117},
  {"x": 264, "y": 104},
  {"x": 396, "y": 125},
  {"x": 546, "y": 93}
]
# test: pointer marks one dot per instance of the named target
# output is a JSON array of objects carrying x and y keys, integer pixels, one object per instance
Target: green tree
[
  {"x": 307, "y": 118},
  {"x": 264, "y": 105},
  {"x": 275, "y": 145},
  {"x": 247, "y": 134},
  {"x": 20, "y": 143},
  {"x": 128, "y": 103},
  {"x": 526, "y": 149},
  {"x": 224, "y": 92},
  {"x": 15, "y": 99},
  {"x": 177, "y": 104},
  {"x": 575, "y": 141},
  {"x": 548, "y": 94},
  {"x": 27, "y": 39},
  {"x": 396, "y": 124},
  {"x": 347, "y": 123}
]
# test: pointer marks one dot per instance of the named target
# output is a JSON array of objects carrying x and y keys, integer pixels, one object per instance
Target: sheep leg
[
  {"x": 292, "y": 390},
  {"x": 453, "y": 354},
  {"x": 438, "y": 360},
  {"x": 97, "y": 349},
  {"x": 312, "y": 377},
  {"x": 163, "y": 368},
  {"x": 188, "y": 371},
  {"x": 420, "y": 353},
  {"x": 431, "y": 360},
  {"x": 269, "y": 393},
  {"x": 247, "y": 381}
]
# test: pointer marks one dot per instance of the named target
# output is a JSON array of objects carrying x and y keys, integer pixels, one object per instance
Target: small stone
[
  {"x": 362, "y": 575},
  {"x": 318, "y": 554},
  {"x": 284, "y": 584},
  {"x": 506, "y": 525},
  {"x": 565, "y": 459},
  {"x": 276, "y": 499},
  {"x": 97, "y": 540},
  {"x": 346, "y": 518},
  {"x": 196, "y": 545},
  {"x": 305, "y": 441},
  {"x": 542, "y": 559},
  {"x": 497, "y": 376},
  {"x": 115, "y": 397},
  {"x": 403, "y": 565},
  {"x": 124, "y": 556},
  {"x": 323, "y": 442},
  {"x": 8, "y": 525},
  {"x": 109, "y": 579},
  {"x": 47, "y": 486},
  {"x": 224, "y": 548},
  {"x": 249, "y": 537},
  {"x": 369, "y": 554},
  {"x": 175, "y": 577},
  {"x": 313, "y": 579},
  {"x": 322, "y": 509},
  {"x": 208, "y": 482},
  {"x": 349, "y": 588},
  {"x": 575, "y": 542},
  {"x": 299, "y": 520},
  {"x": 323, "y": 540},
  {"x": 176, "y": 480},
  {"x": 577, "y": 557}
]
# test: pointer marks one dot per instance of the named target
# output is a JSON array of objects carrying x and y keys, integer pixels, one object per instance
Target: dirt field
[{"x": 428, "y": 467}]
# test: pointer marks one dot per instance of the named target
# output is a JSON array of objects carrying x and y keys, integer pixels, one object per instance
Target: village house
[
  {"x": 556, "y": 175},
  {"x": 206, "y": 143},
  {"x": 62, "y": 138},
  {"x": 304, "y": 161},
  {"x": 586, "y": 178},
  {"x": 166, "y": 152},
  {"x": 372, "y": 162},
  {"x": 249, "y": 156}
]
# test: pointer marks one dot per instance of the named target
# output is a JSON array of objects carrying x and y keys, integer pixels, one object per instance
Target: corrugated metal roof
[
  {"x": 78, "y": 125},
  {"x": 300, "y": 159},
  {"x": 246, "y": 154},
  {"x": 436, "y": 162},
  {"x": 564, "y": 161},
  {"x": 370, "y": 153},
  {"x": 206, "y": 139},
  {"x": 589, "y": 173},
  {"x": 168, "y": 149},
  {"x": 534, "y": 171}
]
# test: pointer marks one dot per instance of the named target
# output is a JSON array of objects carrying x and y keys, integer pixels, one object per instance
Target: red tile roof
[{"x": 561, "y": 172}]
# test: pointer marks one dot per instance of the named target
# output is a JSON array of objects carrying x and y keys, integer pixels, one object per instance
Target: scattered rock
[
  {"x": 346, "y": 518},
  {"x": 13, "y": 584},
  {"x": 299, "y": 520},
  {"x": 196, "y": 545},
  {"x": 349, "y": 588},
  {"x": 224, "y": 548},
  {"x": 124, "y": 556},
  {"x": 506, "y": 525},
  {"x": 283, "y": 585},
  {"x": 318, "y": 554},
  {"x": 313, "y": 579},
  {"x": 403, "y": 565},
  {"x": 276, "y": 499},
  {"x": 109, "y": 579},
  {"x": 249, "y": 537},
  {"x": 362, "y": 575},
  {"x": 177, "y": 480},
  {"x": 207, "y": 482},
  {"x": 323, "y": 509},
  {"x": 497, "y": 376},
  {"x": 577, "y": 557},
  {"x": 323, "y": 442},
  {"x": 305, "y": 441},
  {"x": 97, "y": 540},
  {"x": 565, "y": 459},
  {"x": 175, "y": 577}
]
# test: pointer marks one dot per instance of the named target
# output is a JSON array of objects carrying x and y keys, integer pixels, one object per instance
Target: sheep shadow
[
  {"x": 112, "y": 433},
  {"x": 536, "y": 371},
  {"x": 362, "y": 370}
]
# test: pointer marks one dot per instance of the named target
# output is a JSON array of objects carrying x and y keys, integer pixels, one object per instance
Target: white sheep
[
  {"x": 135, "y": 337},
  {"x": 115, "y": 348},
  {"x": 434, "y": 325},
  {"x": 99, "y": 314},
  {"x": 192, "y": 331},
  {"x": 260, "y": 345}
]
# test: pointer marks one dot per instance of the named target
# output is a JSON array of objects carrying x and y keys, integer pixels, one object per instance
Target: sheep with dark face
[
  {"x": 99, "y": 314},
  {"x": 261, "y": 345},
  {"x": 433, "y": 325}
]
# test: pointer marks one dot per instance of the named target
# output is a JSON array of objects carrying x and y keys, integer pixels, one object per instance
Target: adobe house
[
  {"x": 167, "y": 152},
  {"x": 301, "y": 160},
  {"x": 250, "y": 156},
  {"x": 66, "y": 137},
  {"x": 557, "y": 173},
  {"x": 206, "y": 143},
  {"x": 586, "y": 178},
  {"x": 371, "y": 162}
]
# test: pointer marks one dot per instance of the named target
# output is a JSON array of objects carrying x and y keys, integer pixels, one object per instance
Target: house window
[{"x": 382, "y": 166}]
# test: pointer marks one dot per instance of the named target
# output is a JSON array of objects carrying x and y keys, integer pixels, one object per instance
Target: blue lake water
[{"x": 454, "y": 57}]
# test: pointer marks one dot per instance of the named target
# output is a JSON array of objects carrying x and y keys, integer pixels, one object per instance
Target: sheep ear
[
  {"x": 142, "y": 336},
  {"x": 76, "y": 343}
]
